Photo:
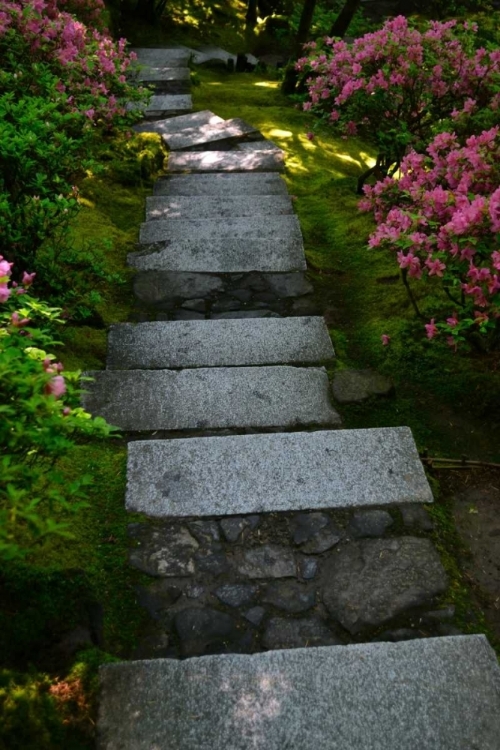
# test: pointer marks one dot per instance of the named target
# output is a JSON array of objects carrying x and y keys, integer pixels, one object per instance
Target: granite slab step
[
  {"x": 164, "y": 105},
  {"x": 162, "y": 57},
  {"x": 218, "y": 343},
  {"x": 222, "y": 254},
  {"x": 430, "y": 694},
  {"x": 225, "y": 133},
  {"x": 260, "y": 146},
  {"x": 280, "y": 227},
  {"x": 276, "y": 472},
  {"x": 223, "y": 184},
  {"x": 226, "y": 161},
  {"x": 172, "y": 125},
  {"x": 161, "y": 74},
  {"x": 205, "y": 206},
  {"x": 207, "y": 399}
]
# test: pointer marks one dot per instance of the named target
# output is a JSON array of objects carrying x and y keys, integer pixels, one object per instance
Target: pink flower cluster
[
  {"x": 56, "y": 386},
  {"x": 90, "y": 64},
  {"x": 400, "y": 75},
  {"x": 442, "y": 217}
]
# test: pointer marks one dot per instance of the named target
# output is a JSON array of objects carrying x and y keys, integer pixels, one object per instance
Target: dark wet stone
[
  {"x": 290, "y": 596},
  {"x": 308, "y": 567},
  {"x": 187, "y": 315},
  {"x": 416, "y": 516},
  {"x": 354, "y": 386},
  {"x": 157, "y": 598},
  {"x": 369, "y": 582},
  {"x": 446, "y": 629},
  {"x": 243, "y": 295},
  {"x": 289, "y": 284},
  {"x": 283, "y": 633},
  {"x": 236, "y": 594},
  {"x": 268, "y": 561},
  {"x": 195, "y": 591},
  {"x": 314, "y": 532},
  {"x": 155, "y": 645},
  {"x": 163, "y": 551},
  {"x": 439, "y": 615},
  {"x": 204, "y": 631},
  {"x": 369, "y": 523},
  {"x": 255, "y": 615},
  {"x": 198, "y": 305},
  {"x": 205, "y": 532},
  {"x": 400, "y": 634},
  {"x": 254, "y": 281},
  {"x": 306, "y": 306},
  {"x": 233, "y": 527},
  {"x": 214, "y": 563}
]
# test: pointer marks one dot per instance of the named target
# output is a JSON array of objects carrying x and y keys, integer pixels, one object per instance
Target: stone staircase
[{"x": 277, "y": 545}]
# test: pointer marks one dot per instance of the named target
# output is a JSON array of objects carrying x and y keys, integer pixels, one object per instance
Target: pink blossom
[
  {"x": 28, "y": 278},
  {"x": 386, "y": 340},
  {"x": 56, "y": 386},
  {"x": 310, "y": 136},
  {"x": 4, "y": 292},
  {"x": 17, "y": 321},
  {"x": 431, "y": 329}
]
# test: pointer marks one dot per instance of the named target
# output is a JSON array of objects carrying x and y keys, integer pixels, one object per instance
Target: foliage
[
  {"x": 62, "y": 89},
  {"x": 443, "y": 219},
  {"x": 400, "y": 85},
  {"x": 324, "y": 18},
  {"x": 37, "y": 425}
]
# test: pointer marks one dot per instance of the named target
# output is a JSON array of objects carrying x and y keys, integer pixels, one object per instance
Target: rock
[
  {"x": 353, "y": 386},
  {"x": 223, "y": 184},
  {"x": 369, "y": 523},
  {"x": 314, "y": 532},
  {"x": 226, "y": 161},
  {"x": 290, "y": 596},
  {"x": 205, "y": 532},
  {"x": 268, "y": 561},
  {"x": 77, "y": 639},
  {"x": 187, "y": 315},
  {"x": 306, "y": 306},
  {"x": 214, "y": 563},
  {"x": 243, "y": 295},
  {"x": 244, "y": 314},
  {"x": 204, "y": 631},
  {"x": 439, "y": 615},
  {"x": 283, "y": 633},
  {"x": 195, "y": 591},
  {"x": 226, "y": 305},
  {"x": 197, "y": 207},
  {"x": 153, "y": 287},
  {"x": 446, "y": 629},
  {"x": 255, "y": 615},
  {"x": 236, "y": 594},
  {"x": 165, "y": 552},
  {"x": 415, "y": 515},
  {"x": 395, "y": 636},
  {"x": 198, "y": 305},
  {"x": 157, "y": 598},
  {"x": 367, "y": 583},
  {"x": 289, "y": 284},
  {"x": 308, "y": 567},
  {"x": 233, "y": 527},
  {"x": 155, "y": 645}
]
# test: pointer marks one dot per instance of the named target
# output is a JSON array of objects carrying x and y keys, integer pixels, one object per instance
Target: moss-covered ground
[{"x": 451, "y": 401}]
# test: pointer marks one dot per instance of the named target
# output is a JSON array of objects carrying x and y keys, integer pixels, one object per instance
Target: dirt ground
[{"x": 475, "y": 499}]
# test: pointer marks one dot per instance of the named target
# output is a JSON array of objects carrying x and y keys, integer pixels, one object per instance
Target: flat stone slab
[
  {"x": 213, "y": 230},
  {"x": 218, "y": 343},
  {"x": 209, "y": 207},
  {"x": 162, "y": 56},
  {"x": 354, "y": 386},
  {"x": 259, "y": 146},
  {"x": 163, "y": 105},
  {"x": 430, "y": 694},
  {"x": 204, "y": 399},
  {"x": 223, "y": 253},
  {"x": 172, "y": 125},
  {"x": 223, "y": 184},
  {"x": 226, "y": 161},
  {"x": 228, "y": 132},
  {"x": 279, "y": 472},
  {"x": 158, "y": 75}
]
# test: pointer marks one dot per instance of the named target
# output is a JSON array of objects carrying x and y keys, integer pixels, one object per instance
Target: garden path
[{"x": 267, "y": 529}]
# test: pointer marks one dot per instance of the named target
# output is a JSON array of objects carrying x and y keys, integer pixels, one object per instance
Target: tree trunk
[
  {"x": 344, "y": 18},
  {"x": 290, "y": 80},
  {"x": 251, "y": 14}
]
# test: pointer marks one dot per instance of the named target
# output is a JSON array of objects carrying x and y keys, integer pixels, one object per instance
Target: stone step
[
  {"x": 206, "y": 206},
  {"x": 226, "y": 161},
  {"x": 218, "y": 343},
  {"x": 260, "y": 146},
  {"x": 277, "y": 228},
  {"x": 222, "y": 253},
  {"x": 205, "y": 137},
  {"x": 158, "y": 75},
  {"x": 244, "y": 474},
  {"x": 208, "y": 399},
  {"x": 173, "y": 125},
  {"x": 223, "y": 184},
  {"x": 162, "y": 57},
  {"x": 430, "y": 694},
  {"x": 164, "y": 105}
]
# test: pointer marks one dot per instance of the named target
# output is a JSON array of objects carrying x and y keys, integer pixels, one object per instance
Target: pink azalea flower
[
  {"x": 431, "y": 329},
  {"x": 17, "y": 321},
  {"x": 56, "y": 386},
  {"x": 28, "y": 278},
  {"x": 4, "y": 292},
  {"x": 386, "y": 340}
]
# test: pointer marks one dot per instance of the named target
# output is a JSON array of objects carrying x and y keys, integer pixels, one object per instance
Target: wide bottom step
[{"x": 436, "y": 694}]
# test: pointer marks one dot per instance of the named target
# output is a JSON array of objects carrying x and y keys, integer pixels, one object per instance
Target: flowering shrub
[
  {"x": 442, "y": 218},
  {"x": 40, "y": 420},
  {"x": 400, "y": 85},
  {"x": 62, "y": 88}
]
